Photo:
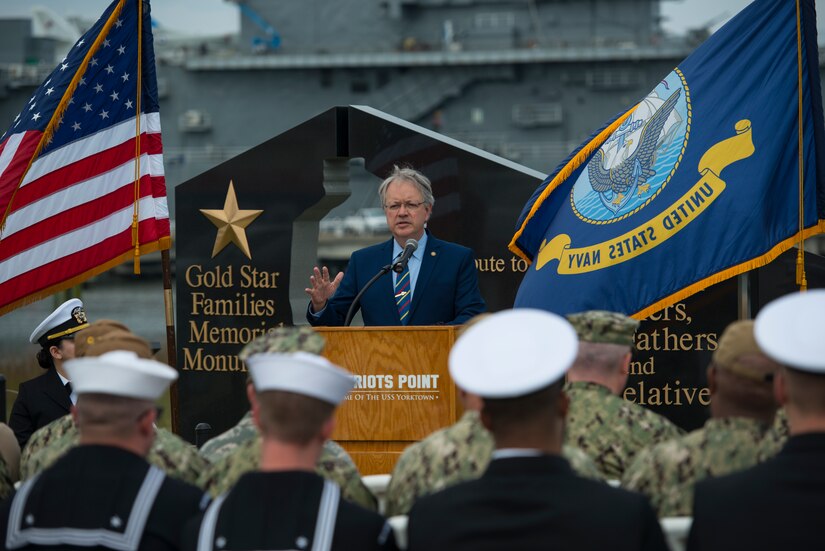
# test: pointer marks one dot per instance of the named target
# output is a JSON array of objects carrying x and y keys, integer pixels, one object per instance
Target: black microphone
[
  {"x": 409, "y": 248},
  {"x": 399, "y": 266}
]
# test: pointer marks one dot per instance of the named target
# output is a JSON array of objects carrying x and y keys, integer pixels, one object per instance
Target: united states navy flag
[
  {"x": 702, "y": 180},
  {"x": 82, "y": 185}
]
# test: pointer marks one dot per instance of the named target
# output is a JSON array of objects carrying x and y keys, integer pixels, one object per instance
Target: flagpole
[
  {"x": 138, "y": 112},
  {"x": 744, "y": 296},
  {"x": 171, "y": 345},
  {"x": 801, "y": 280}
]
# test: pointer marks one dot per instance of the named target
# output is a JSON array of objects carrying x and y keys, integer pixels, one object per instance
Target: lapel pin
[{"x": 432, "y": 253}]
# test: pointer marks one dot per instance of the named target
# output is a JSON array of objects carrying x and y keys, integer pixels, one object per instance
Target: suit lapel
[
  {"x": 428, "y": 262},
  {"x": 385, "y": 284},
  {"x": 56, "y": 391}
]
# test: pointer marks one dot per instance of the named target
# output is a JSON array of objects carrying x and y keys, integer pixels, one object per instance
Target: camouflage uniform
[
  {"x": 10, "y": 452},
  {"x": 169, "y": 452},
  {"x": 610, "y": 429},
  {"x": 667, "y": 472},
  {"x": 334, "y": 464},
  {"x": 215, "y": 449},
  {"x": 177, "y": 457},
  {"x": 238, "y": 450},
  {"x": 279, "y": 340},
  {"x": 452, "y": 455},
  {"x": 775, "y": 437},
  {"x": 30, "y": 460},
  {"x": 6, "y": 485}
]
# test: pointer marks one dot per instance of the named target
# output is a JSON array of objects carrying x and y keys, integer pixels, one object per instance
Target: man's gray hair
[{"x": 411, "y": 175}]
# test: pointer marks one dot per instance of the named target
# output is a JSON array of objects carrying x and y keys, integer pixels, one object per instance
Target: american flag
[{"x": 69, "y": 188}]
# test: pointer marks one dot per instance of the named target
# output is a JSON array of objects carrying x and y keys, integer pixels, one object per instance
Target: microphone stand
[{"x": 351, "y": 312}]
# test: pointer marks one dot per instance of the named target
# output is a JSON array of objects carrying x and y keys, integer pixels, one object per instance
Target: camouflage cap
[
  {"x": 285, "y": 339},
  {"x": 601, "y": 326},
  {"x": 86, "y": 337},
  {"x": 119, "y": 340},
  {"x": 736, "y": 341}
]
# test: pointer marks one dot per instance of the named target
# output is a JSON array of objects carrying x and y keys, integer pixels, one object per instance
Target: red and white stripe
[
  {"x": 15, "y": 153},
  {"x": 73, "y": 211}
]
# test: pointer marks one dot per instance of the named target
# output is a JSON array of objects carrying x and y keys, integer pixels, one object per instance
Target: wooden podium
[{"x": 404, "y": 390}]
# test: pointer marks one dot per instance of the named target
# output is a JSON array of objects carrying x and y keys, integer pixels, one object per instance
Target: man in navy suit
[{"x": 443, "y": 283}]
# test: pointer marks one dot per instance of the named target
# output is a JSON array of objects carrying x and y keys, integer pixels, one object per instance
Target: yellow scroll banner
[{"x": 664, "y": 226}]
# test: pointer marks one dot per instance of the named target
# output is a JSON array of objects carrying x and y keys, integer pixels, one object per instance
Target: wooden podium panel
[{"x": 404, "y": 390}]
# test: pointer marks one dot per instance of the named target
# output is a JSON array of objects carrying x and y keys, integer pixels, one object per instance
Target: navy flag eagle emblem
[{"x": 633, "y": 172}]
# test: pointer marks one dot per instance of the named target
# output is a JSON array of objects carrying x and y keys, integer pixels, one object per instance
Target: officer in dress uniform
[
  {"x": 49, "y": 396},
  {"x": 286, "y": 505},
  {"x": 779, "y": 504},
  {"x": 103, "y": 494},
  {"x": 529, "y": 497}
]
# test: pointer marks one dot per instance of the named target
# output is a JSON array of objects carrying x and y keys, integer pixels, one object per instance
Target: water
[{"x": 136, "y": 301}]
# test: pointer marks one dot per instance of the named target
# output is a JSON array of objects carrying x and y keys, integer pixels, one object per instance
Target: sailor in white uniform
[
  {"x": 103, "y": 494},
  {"x": 286, "y": 505}
]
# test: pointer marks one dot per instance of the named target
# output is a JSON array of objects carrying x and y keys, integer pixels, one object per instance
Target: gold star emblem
[{"x": 231, "y": 222}]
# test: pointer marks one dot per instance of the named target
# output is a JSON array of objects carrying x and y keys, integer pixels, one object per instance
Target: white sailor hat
[
  {"x": 67, "y": 318},
  {"x": 790, "y": 330},
  {"x": 301, "y": 373},
  {"x": 513, "y": 353},
  {"x": 120, "y": 373}
]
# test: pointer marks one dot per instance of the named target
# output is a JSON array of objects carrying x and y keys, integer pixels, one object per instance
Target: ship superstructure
[{"x": 528, "y": 80}]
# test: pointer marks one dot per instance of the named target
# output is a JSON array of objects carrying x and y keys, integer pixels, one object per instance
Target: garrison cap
[
  {"x": 67, "y": 319},
  {"x": 120, "y": 340},
  {"x": 601, "y": 326},
  {"x": 736, "y": 341},
  {"x": 88, "y": 336},
  {"x": 285, "y": 339},
  {"x": 513, "y": 353},
  {"x": 301, "y": 373},
  {"x": 120, "y": 373},
  {"x": 790, "y": 331}
]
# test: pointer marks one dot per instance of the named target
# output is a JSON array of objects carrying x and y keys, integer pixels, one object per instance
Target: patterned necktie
[{"x": 403, "y": 295}]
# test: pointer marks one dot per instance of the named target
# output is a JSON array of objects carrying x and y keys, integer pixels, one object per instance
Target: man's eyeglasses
[{"x": 395, "y": 207}]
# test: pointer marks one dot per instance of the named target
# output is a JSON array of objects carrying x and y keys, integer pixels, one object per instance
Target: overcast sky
[{"x": 221, "y": 16}]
